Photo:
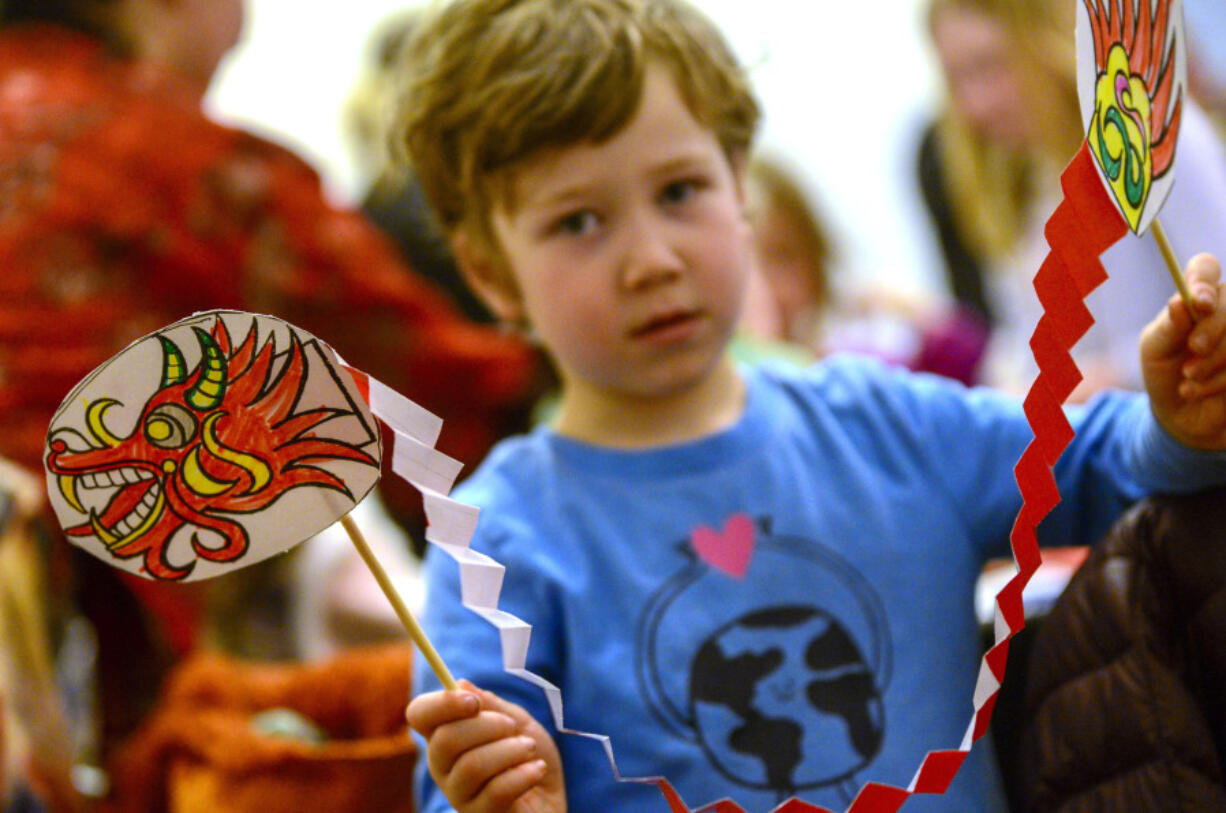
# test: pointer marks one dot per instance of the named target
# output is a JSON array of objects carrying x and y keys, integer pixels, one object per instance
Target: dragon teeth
[
  {"x": 114, "y": 477},
  {"x": 138, "y": 515}
]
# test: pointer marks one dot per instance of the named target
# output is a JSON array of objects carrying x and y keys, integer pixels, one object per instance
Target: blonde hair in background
[
  {"x": 369, "y": 111},
  {"x": 37, "y": 734},
  {"x": 488, "y": 84},
  {"x": 991, "y": 185}
]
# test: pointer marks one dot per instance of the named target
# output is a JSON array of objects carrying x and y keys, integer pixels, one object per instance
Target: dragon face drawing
[
  {"x": 212, "y": 447},
  {"x": 1137, "y": 97}
]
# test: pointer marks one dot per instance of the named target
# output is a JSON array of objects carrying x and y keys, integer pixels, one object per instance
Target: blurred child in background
[{"x": 798, "y": 295}]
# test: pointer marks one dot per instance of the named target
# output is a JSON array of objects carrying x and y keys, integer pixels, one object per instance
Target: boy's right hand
[{"x": 488, "y": 755}]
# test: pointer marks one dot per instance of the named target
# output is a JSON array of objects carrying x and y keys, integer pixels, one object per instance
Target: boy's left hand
[{"x": 1183, "y": 360}]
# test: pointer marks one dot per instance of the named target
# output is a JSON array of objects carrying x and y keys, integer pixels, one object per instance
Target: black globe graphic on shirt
[
  {"x": 763, "y": 727},
  {"x": 779, "y": 676}
]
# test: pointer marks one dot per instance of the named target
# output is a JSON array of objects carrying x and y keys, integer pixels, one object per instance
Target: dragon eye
[{"x": 170, "y": 426}]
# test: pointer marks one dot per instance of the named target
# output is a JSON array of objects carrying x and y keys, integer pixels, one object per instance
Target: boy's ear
[{"x": 488, "y": 278}]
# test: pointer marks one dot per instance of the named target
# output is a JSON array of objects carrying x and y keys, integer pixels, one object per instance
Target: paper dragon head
[
  {"x": 1134, "y": 109},
  {"x": 214, "y": 445}
]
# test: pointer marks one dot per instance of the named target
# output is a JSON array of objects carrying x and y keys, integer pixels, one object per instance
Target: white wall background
[{"x": 844, "y": 86}]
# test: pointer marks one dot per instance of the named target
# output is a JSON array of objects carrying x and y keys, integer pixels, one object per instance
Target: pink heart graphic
[{"x": 730, "y": 550}]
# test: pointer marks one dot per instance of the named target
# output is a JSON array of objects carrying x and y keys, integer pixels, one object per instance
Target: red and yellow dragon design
[
  {"x": 1138, "y": 99},
  {"x": 212, "y": 444}
]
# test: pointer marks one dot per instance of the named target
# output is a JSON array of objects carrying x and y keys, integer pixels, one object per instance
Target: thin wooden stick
[
  {"x": 1172, "y": 264},
  {"x": 402, "y": 611}
]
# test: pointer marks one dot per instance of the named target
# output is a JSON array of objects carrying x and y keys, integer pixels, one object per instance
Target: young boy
[{"x": 758, "y": 582}]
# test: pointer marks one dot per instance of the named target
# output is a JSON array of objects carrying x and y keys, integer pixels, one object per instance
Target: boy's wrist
[{"x": 1165, "y": 463}]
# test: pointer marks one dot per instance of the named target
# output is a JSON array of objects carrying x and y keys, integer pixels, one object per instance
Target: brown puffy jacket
[{"x": 1126, "y": 688}]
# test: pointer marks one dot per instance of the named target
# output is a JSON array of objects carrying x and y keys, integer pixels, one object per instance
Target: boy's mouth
[{"x": 669, "y": 326}]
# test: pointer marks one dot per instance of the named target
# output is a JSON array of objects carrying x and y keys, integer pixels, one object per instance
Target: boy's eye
[
  {"x": 576, "y": 223},
  {"x": 678, "y": 191}
]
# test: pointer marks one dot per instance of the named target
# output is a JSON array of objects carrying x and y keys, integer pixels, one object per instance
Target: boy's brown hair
[{"x": 490, "y": 83}]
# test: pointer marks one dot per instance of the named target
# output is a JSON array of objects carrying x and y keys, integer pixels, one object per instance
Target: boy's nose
[{"x": 651, "y": 256}]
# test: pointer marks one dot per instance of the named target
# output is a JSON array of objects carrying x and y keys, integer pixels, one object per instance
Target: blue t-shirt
[{"x": 830, "y": 640}]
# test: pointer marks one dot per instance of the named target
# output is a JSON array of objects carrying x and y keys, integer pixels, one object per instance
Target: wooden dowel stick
[
  {"x": 402, "y": 611},
  {"x": 1172, "y": 264}
]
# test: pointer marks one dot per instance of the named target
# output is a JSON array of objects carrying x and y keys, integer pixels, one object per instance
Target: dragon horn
[
  {"x": 174, "y": 369},
  {"x": 208, "y": 391}
]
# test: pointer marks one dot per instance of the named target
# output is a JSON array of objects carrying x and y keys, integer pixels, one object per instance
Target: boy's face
[{"x": 630, "y": 256}]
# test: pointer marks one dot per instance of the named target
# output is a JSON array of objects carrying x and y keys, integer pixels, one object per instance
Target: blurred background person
[
  {"x": 795, "y": 256},
  {"x": 123, "y": 208},
  {"x": 392, "y": 197},
  {"x": 801, "y": 297},
  {"x": 36, "y": 767},
  {"x": 988, "y": 170}
]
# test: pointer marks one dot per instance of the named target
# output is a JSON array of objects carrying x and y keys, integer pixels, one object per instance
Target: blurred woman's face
[{"x": 982, "y": 74}]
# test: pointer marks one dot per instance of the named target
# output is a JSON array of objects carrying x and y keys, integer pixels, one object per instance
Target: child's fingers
[
  {"x": 1166, "y": 337},
  {"x": 517, "y": 713},
  {"x": 492, "y": 775},
  {"x": 1203, "y": 274},
  {"x": 1176, "y": 330},
  {"x": 488, "y": 760},
  {"x": 452, "y": 741},
  {"x": 1201, "y": 367},
  {"x": 427, "y": 712},
  {"x": 1204, "y": 387},
  {"x": 1207, "y": 337},
  {"x": 504, "y": 789}
]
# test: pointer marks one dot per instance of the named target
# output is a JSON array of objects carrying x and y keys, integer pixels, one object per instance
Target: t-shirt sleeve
[{"x": 970, "y": 439}]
